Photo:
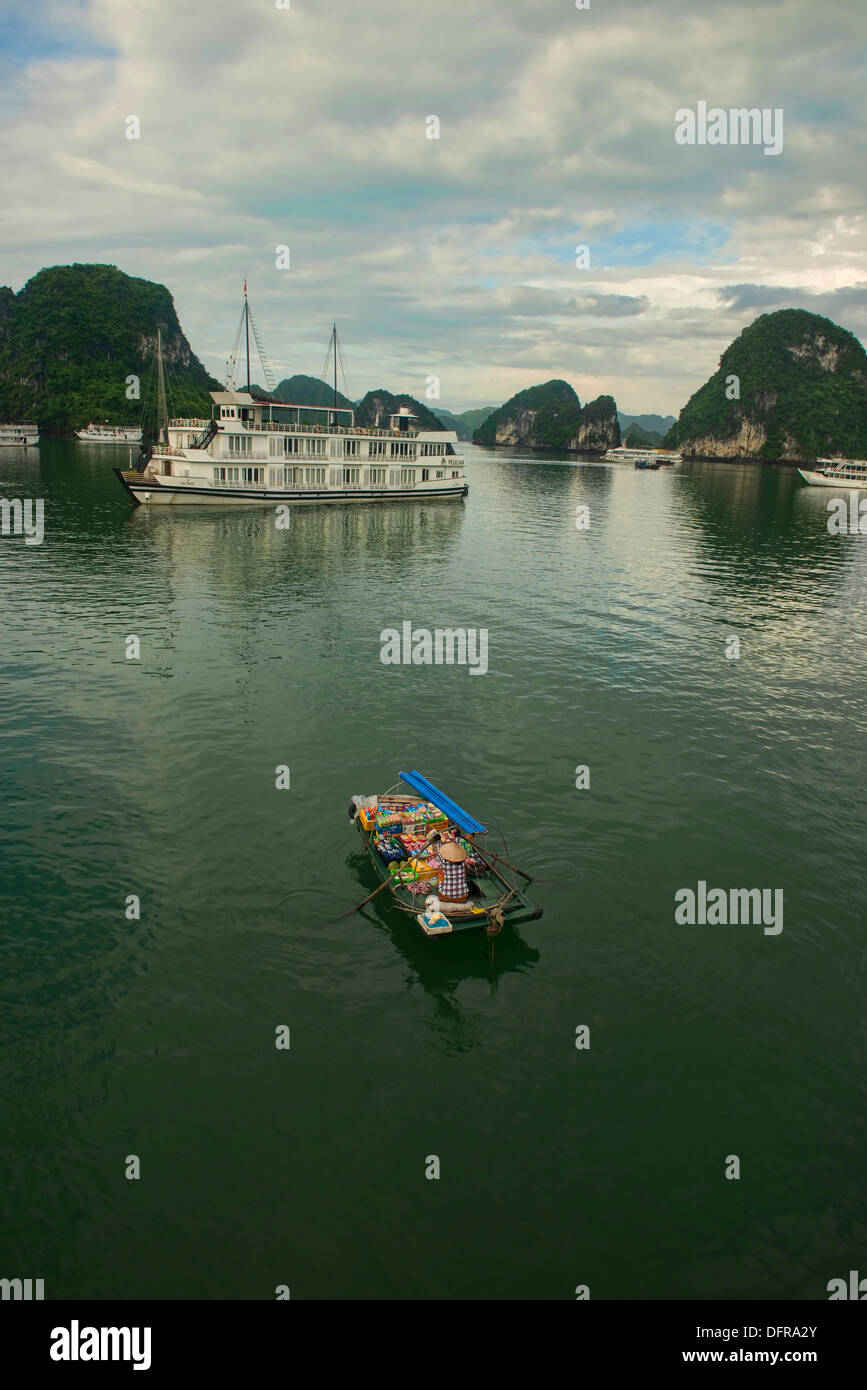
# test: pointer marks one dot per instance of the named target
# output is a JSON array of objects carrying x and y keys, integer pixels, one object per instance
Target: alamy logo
[
  {"x": 22, "y": 1288},
  {"x": 857, "y": 1288},
  {"x": 737, "y": 906},
  {"x": 738, "y": 126},
  {"x": 76, "y": 1343},
  {"x": 847, "y": 521},
  {"x": 450, "y": 646},
  {"x": 23, "y": 518}
]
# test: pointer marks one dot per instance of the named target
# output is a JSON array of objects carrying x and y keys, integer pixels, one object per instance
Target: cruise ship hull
[
  {"x": 831, "y": 480},
  {"x": 150, "y": 492}
]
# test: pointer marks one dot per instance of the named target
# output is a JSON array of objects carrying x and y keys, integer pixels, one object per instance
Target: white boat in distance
[
  {"x": 622, "y": 454},
  {"x": 18, "y": 436},
  {"x": 838, "y": 472},
  {"x": 110, "y": 434},
  {"x": 254, "y": 451}
]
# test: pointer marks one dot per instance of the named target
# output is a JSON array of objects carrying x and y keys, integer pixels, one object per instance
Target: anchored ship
[
  {"x": 18, "y": 436},
  {"x": 110, "y": 434},
  {"x": 255, "y": 451},
  {"x": 836, "y": 472},
  {"x": 622, "y": 454}
]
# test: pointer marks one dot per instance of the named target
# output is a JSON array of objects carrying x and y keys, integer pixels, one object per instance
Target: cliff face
[
  {"x": 799, "y": 384},
  {"x": 518, "y": 428},
  {"x": 72, "y": 336},
  {"x": 599, "y": 429},
  {"x": 550, "y": 416}
]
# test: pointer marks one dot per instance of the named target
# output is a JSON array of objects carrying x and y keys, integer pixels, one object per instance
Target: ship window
[
  {"x": 425, "y": 474},
  {"x": 407, "y": 476},
  {"x": 441, "y": 473},
  {"x": 377, "y": 477}
]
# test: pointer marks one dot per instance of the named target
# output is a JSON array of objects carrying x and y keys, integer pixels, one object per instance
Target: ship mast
[
  {"x": 162, "y": 409},
  {"x": 334, "y": 344},
  {"x": 247, "y": 329}
]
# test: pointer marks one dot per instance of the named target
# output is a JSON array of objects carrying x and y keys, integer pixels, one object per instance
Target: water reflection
[
  {"x": 441, "y": 967},
  {"x": 754, "y": 534}
]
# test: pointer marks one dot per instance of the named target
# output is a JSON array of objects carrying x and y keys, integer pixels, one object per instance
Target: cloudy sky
[{"x": 306, "y": 127}]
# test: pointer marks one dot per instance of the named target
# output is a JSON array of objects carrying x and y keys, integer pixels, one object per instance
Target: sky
[{"x": 308, "y": 127}]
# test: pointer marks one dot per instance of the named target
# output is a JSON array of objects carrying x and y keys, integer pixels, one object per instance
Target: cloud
[
  {"x": 848, "y": 302},
  {"x": 306, "y": 127}
]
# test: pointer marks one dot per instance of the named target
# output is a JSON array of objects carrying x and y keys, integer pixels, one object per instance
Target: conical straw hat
[{"x": 454, "y": 854}]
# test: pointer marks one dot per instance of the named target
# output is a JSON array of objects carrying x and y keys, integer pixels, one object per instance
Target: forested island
[
  {"x": 792, "y": 385},
  {"x": 73, "y": 336},
  {"x": 551, "y": 416}
]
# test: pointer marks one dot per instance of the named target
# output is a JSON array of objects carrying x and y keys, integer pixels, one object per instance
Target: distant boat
[
  {"x": 622, "y": 454},
  {"x": 110, "y": 434},
  {"x": 647, "y": 463},
  {"x": 836, "y": 472},
  {"x": 18, "y": 436}
]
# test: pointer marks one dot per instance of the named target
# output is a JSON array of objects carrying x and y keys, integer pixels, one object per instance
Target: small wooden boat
[
  {"x": 647, "y": 463},
  {"x": 404, "y": 831}
]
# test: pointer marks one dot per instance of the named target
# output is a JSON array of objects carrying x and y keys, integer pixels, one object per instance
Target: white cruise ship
[
  {"x": 622, "y": 454},
  {"x": 260, "y": 452},
  {"x": 18, "y": 436},
  {"x": 110, "y": 434},
  {"x": 838, "y": 472},
  {"x": 254, "y": 451}
]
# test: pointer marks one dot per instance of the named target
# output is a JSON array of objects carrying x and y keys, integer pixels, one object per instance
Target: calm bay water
[{"x": 260, "y": 647}]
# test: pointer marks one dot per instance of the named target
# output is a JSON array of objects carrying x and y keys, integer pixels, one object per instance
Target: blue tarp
[{"x": 445, "y": 804}]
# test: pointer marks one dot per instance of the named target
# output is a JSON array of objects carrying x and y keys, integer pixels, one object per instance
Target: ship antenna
[{"x": 334, "y": 339}]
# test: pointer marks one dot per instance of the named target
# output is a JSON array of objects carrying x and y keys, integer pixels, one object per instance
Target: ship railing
[{"x": 279, "y": 427}]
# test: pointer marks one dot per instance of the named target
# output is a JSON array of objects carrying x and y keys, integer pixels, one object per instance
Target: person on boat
[{"x": 453, "y": 887}]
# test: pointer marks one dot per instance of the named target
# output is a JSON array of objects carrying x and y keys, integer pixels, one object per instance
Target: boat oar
[
  {"x": 386, "y": 883},
  {"x": 528, "y": 878}
]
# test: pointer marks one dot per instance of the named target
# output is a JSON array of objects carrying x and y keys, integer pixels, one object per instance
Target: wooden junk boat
[{"x": 404, "y": 832}]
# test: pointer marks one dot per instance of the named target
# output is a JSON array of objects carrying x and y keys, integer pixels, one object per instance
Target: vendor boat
[{"x": 414, "y": 835}]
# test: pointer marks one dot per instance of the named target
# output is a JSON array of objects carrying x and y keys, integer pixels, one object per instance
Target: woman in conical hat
[{"x": 453, "y": 876}]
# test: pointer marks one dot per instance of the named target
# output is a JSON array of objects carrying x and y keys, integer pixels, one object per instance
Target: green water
[{"x": 261, "y": 648}]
